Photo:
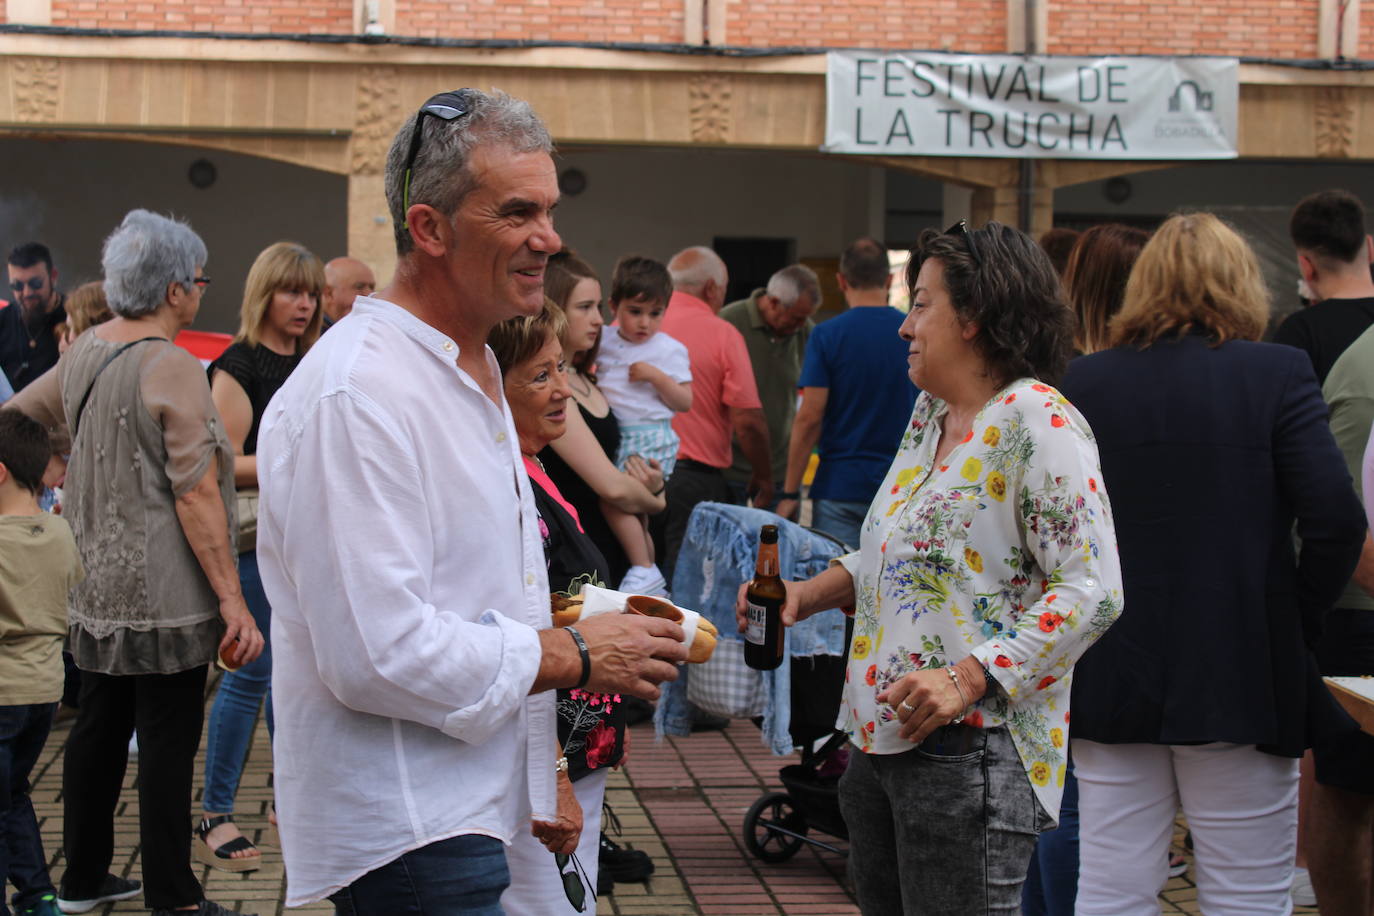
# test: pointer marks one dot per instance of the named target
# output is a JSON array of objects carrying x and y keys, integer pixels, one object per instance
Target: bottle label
[{"x": 758, "y": 623}]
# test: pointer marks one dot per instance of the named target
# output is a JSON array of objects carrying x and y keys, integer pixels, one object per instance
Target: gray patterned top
[{"x": 148, "y": 434}]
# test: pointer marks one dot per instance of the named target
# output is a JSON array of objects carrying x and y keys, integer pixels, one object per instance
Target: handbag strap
[{"x": 81, "y": 408}]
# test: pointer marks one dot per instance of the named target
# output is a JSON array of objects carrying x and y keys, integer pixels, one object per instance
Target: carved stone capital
[
  {"x": 37, "y": 88},
  {"x": 378, "y": 106},
  {"x": 1334, "y": 123},
  {"x": 709, "y": 107}
]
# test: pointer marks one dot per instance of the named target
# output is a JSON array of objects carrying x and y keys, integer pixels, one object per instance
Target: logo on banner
[{"x": 1188, "y": 100}]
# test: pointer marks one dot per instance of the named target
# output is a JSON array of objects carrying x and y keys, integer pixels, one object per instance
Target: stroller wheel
[{"x": 761, "y": 834}]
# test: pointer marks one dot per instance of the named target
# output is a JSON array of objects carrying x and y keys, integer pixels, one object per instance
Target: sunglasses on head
[
  {"x": 447, "y": 106},
  {"x": 34, "y": 283},
  {"x": 575, "y": 882},
  {"x": 962, "y": 230}
]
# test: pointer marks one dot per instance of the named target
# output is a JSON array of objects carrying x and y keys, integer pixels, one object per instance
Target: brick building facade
[
  {"x": 1282, "y": 29},
  {"x": 322, "y": 85}
]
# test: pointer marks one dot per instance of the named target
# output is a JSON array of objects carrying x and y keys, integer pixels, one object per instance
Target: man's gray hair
[
  {"x": 440, "y": 175},
  {"x": 692, "y": 268},
  {"x": 141, "y": 257},
  {"x": 792, "y": 282}
]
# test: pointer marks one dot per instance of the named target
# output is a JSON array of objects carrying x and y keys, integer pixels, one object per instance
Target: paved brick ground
[{"x": 682, "y": 801}]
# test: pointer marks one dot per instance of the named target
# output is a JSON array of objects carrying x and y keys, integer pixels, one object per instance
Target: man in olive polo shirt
[{"x": 776, "y": 322}]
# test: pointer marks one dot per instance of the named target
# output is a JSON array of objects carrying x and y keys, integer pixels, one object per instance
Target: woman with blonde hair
[
  {"x": 1204, "y": 693},
  {"x": 279, "y": 320},
  {"x": 86, "y": 307}
]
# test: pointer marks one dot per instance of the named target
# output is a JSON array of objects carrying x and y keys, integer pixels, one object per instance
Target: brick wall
[
  {"x": 282, "y": 16},
  {"x": 1269, "y": 28},
  {"x": 972, "y": 26},
  {"x": 1366, "y": 44},
  {"x": 1240, "y": 28},
  {"x": 655, "y": 21}
]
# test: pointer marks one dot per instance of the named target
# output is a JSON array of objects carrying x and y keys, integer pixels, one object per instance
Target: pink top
[
  {"x": 722, "y": 377},
  {"x": 539, "y": 476}
]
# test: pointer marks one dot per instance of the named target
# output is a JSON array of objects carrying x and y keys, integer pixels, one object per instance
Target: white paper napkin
[{"x": 596, "y": 600}]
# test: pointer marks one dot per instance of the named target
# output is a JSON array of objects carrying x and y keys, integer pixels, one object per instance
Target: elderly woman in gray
[{"x": 149, "y": 495}]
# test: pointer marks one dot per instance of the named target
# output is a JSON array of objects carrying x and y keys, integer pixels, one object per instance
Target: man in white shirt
[{"x": 402, "y": 556}]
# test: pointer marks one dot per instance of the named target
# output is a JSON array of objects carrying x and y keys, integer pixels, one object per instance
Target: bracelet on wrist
[
  {"x": 789, "y": 494},
  {"x": 585, "y": 655},
  {"x": 954, "y": 676},
  {"x": 658, "y": 491}
]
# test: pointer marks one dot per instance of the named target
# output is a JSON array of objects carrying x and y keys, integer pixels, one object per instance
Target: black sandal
[{"x": 222, "y": 857}]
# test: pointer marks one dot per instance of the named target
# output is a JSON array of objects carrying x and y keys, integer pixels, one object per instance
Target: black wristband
[
  {"x": 586, "y": 656},
  {"x": 658, "y": 491},
  {"x": 789, "y": 494}
]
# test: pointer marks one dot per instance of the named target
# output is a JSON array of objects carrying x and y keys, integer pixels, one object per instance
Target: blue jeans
[
  {"x": 23, "y": 729},
  {"x": 839, "y": 518},
  {"x": 241, "y": 692},
  {"x": 946, "y": 827},
  {"x": 1052, "y": 881},
  {"x": 460, "y": 876}
]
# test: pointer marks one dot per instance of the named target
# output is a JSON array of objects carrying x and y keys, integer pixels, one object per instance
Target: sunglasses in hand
[{"x": 575, "y": 882}]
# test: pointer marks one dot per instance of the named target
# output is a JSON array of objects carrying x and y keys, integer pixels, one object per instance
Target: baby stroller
[
  {"x": 779, "y": 823},
  {"x": 799, "y": 700}
]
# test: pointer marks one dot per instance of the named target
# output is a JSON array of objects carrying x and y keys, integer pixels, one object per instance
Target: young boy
[
  {"x": 646, "y": 376},
  {"x": 38, "y": 565}
]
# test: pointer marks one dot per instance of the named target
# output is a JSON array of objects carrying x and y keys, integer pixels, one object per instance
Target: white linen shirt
[{"x": 400, "y": 550}]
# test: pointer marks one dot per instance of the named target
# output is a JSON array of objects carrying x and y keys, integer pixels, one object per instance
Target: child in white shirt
[{"x": 646, "y": 376}]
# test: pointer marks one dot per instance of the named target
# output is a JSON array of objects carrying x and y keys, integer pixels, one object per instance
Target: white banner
[{"x": 932, "y": 104}]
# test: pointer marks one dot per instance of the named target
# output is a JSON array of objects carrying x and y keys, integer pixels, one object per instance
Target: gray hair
[
  {"x": 692, "y": 268},
  {"x": 141, "y": 257},
  {"x": 792, "y": 282},
  {"x": 440, "y": 175}
]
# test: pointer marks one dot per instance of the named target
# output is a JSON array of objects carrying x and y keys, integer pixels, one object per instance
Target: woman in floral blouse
[{"x": 987, "y": 564}]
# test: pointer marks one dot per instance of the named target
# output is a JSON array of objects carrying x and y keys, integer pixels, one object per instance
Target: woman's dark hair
[
  {"x": 24, "y": 449},
  {"x": 1000, "y": 279},
  {"x": 563, "y": 272},
  {"x": 1095, "y": 279}
]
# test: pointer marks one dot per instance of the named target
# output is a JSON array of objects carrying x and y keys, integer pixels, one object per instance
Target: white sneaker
[
  {"x": 1302, "y": 892},
  {"x": 644, "y": 580}
]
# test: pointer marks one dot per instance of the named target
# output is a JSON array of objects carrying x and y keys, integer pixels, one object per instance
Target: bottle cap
[{"x": 768, "y": 534}]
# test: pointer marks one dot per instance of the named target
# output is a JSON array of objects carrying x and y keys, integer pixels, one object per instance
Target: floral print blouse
[{"x": 1005, "y": 551}]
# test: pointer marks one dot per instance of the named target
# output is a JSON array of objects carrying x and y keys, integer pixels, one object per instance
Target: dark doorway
[{"x": 752, "y": 261}]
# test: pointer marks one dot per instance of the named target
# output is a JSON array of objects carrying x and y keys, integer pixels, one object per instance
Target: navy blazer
[{"x": 1210, "y": 456}]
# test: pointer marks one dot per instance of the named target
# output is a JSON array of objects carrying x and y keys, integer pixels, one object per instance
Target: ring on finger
[{"x": 906, "y": 707}]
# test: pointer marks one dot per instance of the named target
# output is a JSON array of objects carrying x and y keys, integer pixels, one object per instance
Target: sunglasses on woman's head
[
  {"x": 962, "y": 230},
  {"x": 446, "y": 106}
]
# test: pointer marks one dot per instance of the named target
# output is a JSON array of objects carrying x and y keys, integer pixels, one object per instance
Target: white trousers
[
  {"x": 536, "y": 888},
  {"x": 1241, "y": 806}
]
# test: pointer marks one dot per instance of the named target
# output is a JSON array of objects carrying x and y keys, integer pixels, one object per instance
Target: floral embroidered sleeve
[{"x": 1066, "y": 531}]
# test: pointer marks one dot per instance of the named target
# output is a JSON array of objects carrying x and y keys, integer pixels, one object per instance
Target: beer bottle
[{"x": 763, "y": 638}]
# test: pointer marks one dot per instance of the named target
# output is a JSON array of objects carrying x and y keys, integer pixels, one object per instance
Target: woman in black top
[
  {"x": 279, "y": 320},
  {"x": 580, "y": 463}
]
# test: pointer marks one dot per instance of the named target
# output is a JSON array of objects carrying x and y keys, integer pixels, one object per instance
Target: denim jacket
[{"x": 719, "y": 552}]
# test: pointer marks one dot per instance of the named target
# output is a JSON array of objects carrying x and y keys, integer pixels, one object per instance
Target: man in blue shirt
[{"x": 856, "y": 399}]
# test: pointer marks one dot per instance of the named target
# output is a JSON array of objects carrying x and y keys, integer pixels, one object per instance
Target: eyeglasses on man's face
[
  {"x": 447, "y": 106},
  {"x": 33, "y": 283}
]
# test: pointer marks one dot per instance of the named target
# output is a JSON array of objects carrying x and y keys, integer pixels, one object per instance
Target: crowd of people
[{"x": 1076, "y": 481}]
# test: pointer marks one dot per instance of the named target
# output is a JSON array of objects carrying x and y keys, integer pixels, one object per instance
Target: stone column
[{"x": 379, "y": 115}]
